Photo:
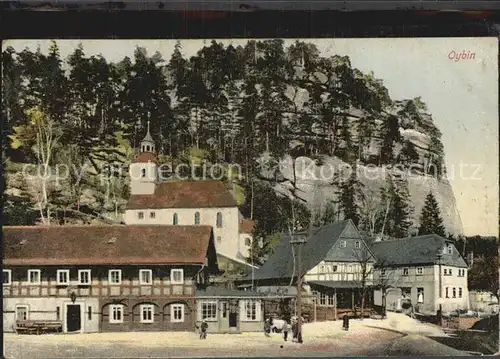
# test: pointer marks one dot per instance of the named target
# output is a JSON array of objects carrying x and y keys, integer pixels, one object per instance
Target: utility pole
[
  {"x": 439, "y": 256},
  {"x": 299, "y": 241}
]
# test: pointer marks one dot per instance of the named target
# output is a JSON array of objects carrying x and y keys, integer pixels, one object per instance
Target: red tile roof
[
  {"x": 67, "y": 245},
  {"x": 247, "y": 226},
  {"x": 185, "y": 194},
  {"x": 145, "y": 157}
]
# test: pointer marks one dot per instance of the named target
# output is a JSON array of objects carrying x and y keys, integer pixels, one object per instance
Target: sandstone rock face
[{"x": 314, "y": 185}]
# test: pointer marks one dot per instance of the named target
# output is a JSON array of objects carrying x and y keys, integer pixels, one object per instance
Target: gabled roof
[
  {"x": 416, "y": 250},
  {"x": 247, "y": 226},
  {"x": 185, "y": 194},
  {"x": 80, "y": 245},
  {"x": 318, "y": 248}
]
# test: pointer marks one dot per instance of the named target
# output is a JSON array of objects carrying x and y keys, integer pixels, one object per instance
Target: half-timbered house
[{"x": 105, "y": 278}]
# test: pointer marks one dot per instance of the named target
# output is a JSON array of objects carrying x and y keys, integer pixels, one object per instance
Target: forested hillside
[{"x": 245, "y": 105}]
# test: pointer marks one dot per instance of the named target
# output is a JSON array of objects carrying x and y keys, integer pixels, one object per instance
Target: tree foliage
[{"x": 431, "y": 221}]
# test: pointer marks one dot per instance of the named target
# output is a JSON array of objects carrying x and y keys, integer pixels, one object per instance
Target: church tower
[{"x": 143, "y": 170}]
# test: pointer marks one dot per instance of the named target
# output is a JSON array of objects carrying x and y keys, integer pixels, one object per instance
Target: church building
[{"x": 187, "y": 202}]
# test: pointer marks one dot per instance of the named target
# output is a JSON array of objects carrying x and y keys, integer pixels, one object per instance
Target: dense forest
[{"x": 227, "y": 104}]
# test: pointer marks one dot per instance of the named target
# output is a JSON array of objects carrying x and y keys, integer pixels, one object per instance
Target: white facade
[
  {"x": 143, "y": 177},
  {"x": 483, "y": 302},
  {"x": 420, "y": 284},
  {"x": 50, "y": 308}
]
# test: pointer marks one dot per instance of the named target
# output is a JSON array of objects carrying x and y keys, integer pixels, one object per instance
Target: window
[
  {"x": 152, "y": 215},
  {"x": 140, "y": 215},
  {"x": 209, "y": 310},
  {"x": 460, "y": 292},
  {"x": 454, "y": 292},
  {"x": 450, "y": 249},
  {"x": 145, "y": 276},
  {"x": 90, "y": 313},
  {"x": 250, "y": 310},
  {"x": 420, "y": 295},
  {"x": 62, "y": 277},
  {"x": 7, "y": 277},
  {"x": 197, "y": 218},
  {"x": 322, "y": 299},
  {"x": 115, "y": 276},
  {"x": 177, "y": 276},
  {"x": 116, "y": 313},
  {"x": 406, "y": 271},
  {"x": 58, "y": 313},
  {"x": 331, "y": 300},
  {"x": 175, "y": 220},
  {"x": 450, "y": 272},
  {"x": 147, "y": 313},
  {"x": 420, "y": 270},
  {"x": 22, "y": 312},
  {"x": 334, "y": 269},
  {"x": 219, "y": 220},
  {"x": 248, "y": 242},
  {"x": 447, "y": 293},
  {"x": 177, "y": 313},
  {"x": 219, "y": 239},
  {"x": 34, "y": 276},
  {"x": 84, "y": 276},
  {"x": 343, "y": 244},
  {"x": 382, "y": 272},
  {"x": 143, "y": 172},
  {"x": 322, "y": 269},
  {"x": 357, "y": 244}
]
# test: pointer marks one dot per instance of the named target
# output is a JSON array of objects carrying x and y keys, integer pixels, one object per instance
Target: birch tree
[{"x": 41, "y": 134}]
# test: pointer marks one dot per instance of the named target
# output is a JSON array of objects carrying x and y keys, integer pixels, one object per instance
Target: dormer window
[
  {"x": 175, "y": 219},
  {"x": 197, "y": 218},
  {"x": 152, "y": 215},
  {"x": 140, "y": 215},
  {"x": 34, "y": 276}
]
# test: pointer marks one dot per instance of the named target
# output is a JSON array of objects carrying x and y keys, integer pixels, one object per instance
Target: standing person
[
  {"x": 267, "y": 328},
  {"x": 203, "y": 330},
  {"x": 286, "y": 329},
  {"x": 295, "y": 330}
]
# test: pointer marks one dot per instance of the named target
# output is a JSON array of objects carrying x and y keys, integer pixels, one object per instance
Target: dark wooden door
[
  {"x": 73, "y": 318},
  {"x": 233, "y": 320}
]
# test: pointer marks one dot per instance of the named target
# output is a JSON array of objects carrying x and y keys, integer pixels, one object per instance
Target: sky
[{"x": 462, "y": 97}]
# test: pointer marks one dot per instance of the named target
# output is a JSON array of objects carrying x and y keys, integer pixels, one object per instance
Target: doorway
[
  {"x": 233, "y": 320},
  {"x": 73, "y": 318}
]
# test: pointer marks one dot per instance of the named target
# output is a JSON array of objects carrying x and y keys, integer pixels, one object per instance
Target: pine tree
[
  {"x": 431, "y": 221},
  {"x": 394, "y": 218},
  {"x": 348, "y": 196}
]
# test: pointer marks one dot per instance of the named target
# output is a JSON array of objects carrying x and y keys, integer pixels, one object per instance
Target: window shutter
[
  {"x": 200, "y": 306},
  {"x": 243, "y": 315}
]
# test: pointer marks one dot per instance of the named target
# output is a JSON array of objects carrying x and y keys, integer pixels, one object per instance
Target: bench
[{"x": 37, "y": 326}]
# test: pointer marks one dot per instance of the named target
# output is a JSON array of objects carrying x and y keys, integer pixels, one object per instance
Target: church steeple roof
[
  {"x": 148, "y": 137},
  {"x": 147, "y": 150}
]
